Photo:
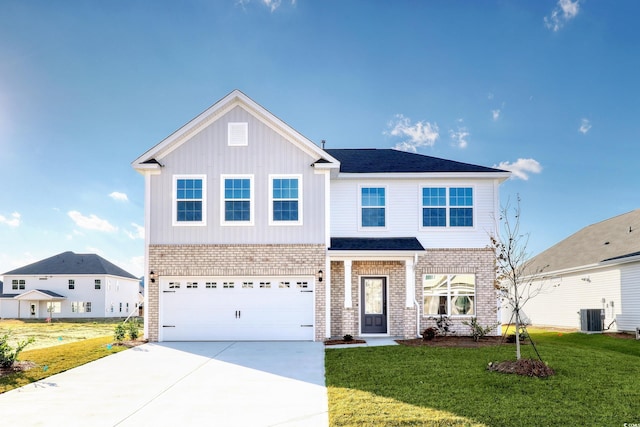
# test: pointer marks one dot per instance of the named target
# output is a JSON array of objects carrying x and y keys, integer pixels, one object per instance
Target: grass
[
  {"x": 53, "y": 360},
  {"x": 596, "y": 383},
  {"x": 59, "y": 331}
]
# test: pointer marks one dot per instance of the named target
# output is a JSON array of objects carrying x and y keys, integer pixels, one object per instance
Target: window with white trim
[
  {"x": 237, "y": 200},
  {"x": 18, "y": 284},
  {"x": 80, "y": 307},
  {"x": 372, "y": 206},
  {"x": 72, "y": 284},
  {"x": 447, "y": 207},
  {"x": 97, "y": 284},
  {"x": 449, "y": 294},
  {"x": 189, "y": 200},
  {"x": 238, "y": 134},
  {"x": 285, "y": 200}
]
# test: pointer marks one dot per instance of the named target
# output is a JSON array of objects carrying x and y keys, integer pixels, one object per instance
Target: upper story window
[
  {"x": 372, "y": 206},
  {"x": 237, "y": 203},
  {"x": 285, "y": 205},
  {"x": 238, "y": 134},
  {"x": 72, "y": 284},
  {"x": 18, "y": 284},
  {"x": 97, "y": 283},
  {"x": 442, "y": 207},
  {"x": 449, "y": 294},
  {"x": 189, "y": 205}
]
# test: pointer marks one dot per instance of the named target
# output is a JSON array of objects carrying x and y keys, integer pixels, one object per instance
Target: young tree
[{"x": 517, "y": 279}]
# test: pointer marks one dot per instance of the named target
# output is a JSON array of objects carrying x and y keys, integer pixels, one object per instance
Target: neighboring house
[
  {"x": 253, "y": 232},
  {"x": 69, "y": 285},
  {"x": 596, "y": 268}
]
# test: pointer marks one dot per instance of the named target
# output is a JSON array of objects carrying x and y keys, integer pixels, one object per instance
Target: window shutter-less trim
[{"x": 238, "y": 134}]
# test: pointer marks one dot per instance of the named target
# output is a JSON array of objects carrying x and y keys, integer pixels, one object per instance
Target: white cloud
[
  {"x": 271, "y": 4},
  {"x": 495, "y": 114},
  {"x": 138, "y": 233},
  {"x": 12, "y": 221},
  {"x": 459, "y": 137},
  {"x": 585, "y": 126},
  {"x": 116, "y": 195},
  {"x": 91, "y": 222},
  {"x": 565, "y": 11},
  {"x": 415, "y": 135},
  {"x": 521, "y": 168}
]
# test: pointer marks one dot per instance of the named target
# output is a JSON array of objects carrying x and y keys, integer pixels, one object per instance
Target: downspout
[{"x": 415, "y": 301}]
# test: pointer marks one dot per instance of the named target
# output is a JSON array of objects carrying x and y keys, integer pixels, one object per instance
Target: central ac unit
[{"x": 591, "y": 320}]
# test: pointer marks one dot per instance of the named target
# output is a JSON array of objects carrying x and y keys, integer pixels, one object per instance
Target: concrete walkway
[{"x": 183, "y": 384}]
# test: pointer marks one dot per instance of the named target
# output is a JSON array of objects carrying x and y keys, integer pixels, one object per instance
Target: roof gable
[
  {"x": 616, "y": 238},
  {"x": 40, "y": 295},
  {"x": 152, "y": 159},
  {"x": 70, "y": 263},
  {"x": 395, "y": 161}
]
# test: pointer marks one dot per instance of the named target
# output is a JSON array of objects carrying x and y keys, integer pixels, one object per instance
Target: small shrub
[
  {"x": 477, "y": 330},
  {"x": 443, "y": 324},
  {"x": 9, "y": 354},
  {"x": 429, "y": 334},
  {"x": 132, "y": 329},
  {"x": 347, "y": 337},
  {"x": 120, "y": 332}
]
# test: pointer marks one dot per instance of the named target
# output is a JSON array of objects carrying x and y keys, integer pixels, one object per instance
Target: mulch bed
[
  {"x": 525, "y": 367},
  {"x": 336, "y": 342},
  {"x": 17, "y": 367},
  {"x": 452, "y": 341}
]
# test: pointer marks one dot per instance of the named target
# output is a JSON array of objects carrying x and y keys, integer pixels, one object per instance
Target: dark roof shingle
[
  {"x": 375, "y": 244},
  {"x": 72, "y": 263},
  {"x": 373, "y": 160}
]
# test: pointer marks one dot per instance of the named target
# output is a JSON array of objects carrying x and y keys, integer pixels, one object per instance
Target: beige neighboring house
[
  {"x": 69, "y": 285},
  {"x": 596, "y": 269},
  {"x": 253, "y": 232}
]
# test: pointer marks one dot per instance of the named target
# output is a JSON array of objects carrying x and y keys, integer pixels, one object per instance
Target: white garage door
[{"x": 236, "y": 308}]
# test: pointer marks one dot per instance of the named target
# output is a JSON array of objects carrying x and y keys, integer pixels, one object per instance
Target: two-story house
[
  {"x": 69, "y": 285},
  {"x": 253, "y": 232}
]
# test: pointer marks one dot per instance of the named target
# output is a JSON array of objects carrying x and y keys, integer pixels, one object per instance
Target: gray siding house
[{"x": 253, "y": 232}]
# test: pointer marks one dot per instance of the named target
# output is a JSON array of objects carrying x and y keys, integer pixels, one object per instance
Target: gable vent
[{"x": 238, "y": 134}]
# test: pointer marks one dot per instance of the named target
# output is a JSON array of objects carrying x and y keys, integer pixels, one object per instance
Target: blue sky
[{"x": 548, "y": 89}]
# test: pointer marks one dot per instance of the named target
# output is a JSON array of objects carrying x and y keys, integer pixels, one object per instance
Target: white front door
[{"x": 236, "y": 308}]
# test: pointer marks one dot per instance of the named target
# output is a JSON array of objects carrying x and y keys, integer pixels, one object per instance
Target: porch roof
[
  {"x": 375, "y": 244},
  {"x": 40, "y": 295}
]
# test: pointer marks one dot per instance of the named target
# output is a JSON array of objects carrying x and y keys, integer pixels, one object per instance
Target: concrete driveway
[{"x": 184, "y": 384}]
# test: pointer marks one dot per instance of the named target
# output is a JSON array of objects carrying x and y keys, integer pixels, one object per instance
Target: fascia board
[
  {"x": 372, "y": 255},
  {"x": 426, "y": 175}
]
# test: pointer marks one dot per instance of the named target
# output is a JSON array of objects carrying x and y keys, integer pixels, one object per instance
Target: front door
[{"x": 374, "y": 305}]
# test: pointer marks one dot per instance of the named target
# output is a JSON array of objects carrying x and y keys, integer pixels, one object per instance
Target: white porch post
[
  {"x": 410, "y": 283},
  {"x": 348, "y": 301}
]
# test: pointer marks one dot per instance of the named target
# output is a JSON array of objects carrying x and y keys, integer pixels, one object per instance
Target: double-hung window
[
  {"x": 17, "y": 284},
  {"x": 285, "y": 205},
  {"x": 237, "y": 200},
  {"x": 189, "y": 199},
  {"x": 447, "y": 207},
  {"x": 372, "y": 206},
  {"x": 449, "y": 294}
]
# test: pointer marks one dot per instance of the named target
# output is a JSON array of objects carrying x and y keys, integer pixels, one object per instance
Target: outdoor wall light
[
  {"x": 152, "y": 277},
  {"x": 319, "y": 275}
]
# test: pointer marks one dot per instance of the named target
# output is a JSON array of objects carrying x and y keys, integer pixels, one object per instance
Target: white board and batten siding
[
  {"x": 629, "y": 319},
  {"x": 267, "y": 153},
  {"x": 237, "y": 308},
  {"x": 404, "y": 211}
]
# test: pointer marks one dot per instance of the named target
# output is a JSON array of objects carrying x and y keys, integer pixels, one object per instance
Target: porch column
[
  {"x": 410, "y": 283},
  {"x": 348, "y": 301}
]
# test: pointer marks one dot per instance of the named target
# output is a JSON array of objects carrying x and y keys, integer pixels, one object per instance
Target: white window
[
  {"x": 189, "y": 200},
  {"x": 72, "y": 284},
  {"x": 54, "y": 307},
  {"x": 238, "y": 134},
  {"x": 80, "y": 307},
  {"x": 373, "y": 207},
  {"x": 449, "y": 294},
  {"x": 285, "y": 200},
  {"x": 447, "y": 207},
  {"x": 236, "y": 207},
  {"x": 18, "y": 284},
  {"x": 97, "y": 284}
]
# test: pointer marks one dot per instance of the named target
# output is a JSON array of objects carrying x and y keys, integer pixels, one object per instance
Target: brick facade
[
  {"x": 235, "y": 260},
  {"x": 402, "y": 319}
]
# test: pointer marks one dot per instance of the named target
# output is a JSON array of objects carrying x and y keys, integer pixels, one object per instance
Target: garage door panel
[{"x": 237, "y": 309}]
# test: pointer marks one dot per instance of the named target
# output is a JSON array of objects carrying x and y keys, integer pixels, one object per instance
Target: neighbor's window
[
  {"x": 87, "y": 306},
  {"x": 72, "y": 284},
  {"x": 442, "y": 207},
  {"x": 285, "y": 206},
  {"x": 237, "y": 204},
  {"x": 372, "y": 205},
  {"x": 80, "y": 307},
  {"x": 449, "y": 294},
  {"x": 54, "y": 307},
  {"x": 97, "y": 283},
  {"x": 18, "y": 284},
  {"x": 189, "y": 192}
]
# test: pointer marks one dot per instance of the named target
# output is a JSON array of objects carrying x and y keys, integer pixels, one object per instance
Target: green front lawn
[{"x": 597, "y": 382}]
